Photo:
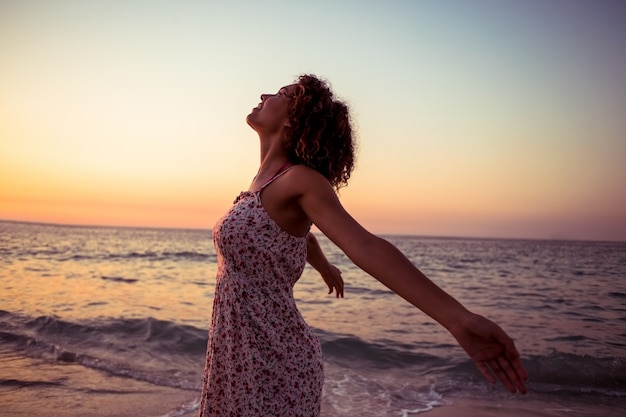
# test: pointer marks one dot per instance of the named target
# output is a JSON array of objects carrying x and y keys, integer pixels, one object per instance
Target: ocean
[{"x": 102, "y": 321}]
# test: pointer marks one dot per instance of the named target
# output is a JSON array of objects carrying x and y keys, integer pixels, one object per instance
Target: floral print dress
[{"x": 262, "y": 358}]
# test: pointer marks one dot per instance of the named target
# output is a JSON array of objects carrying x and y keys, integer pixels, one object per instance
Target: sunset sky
[{"x": 486, "y": 118}]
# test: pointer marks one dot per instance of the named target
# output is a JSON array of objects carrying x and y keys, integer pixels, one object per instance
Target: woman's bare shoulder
[
  {"x": 307, "y": 181},
  {"x": 302, "y": 174}
]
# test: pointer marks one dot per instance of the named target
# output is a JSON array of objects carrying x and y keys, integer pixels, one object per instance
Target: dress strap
[{"x": 284, "y": 168}]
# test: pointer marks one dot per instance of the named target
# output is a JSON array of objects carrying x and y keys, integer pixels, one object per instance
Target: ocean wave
[
  {"x": 40, "y": 349},
  {"x": 348, "y": 350},
  {"x": 172, "y": 354},
  {"x": 19, "y": 383},
  {"x": 155, "y": 351},
  {"x": 153, "y": 256},
  {"x": 130, "y": 337},
  {"x": 563, "y": 372},
  {"x": 120, "y": 279},
  {"x": 560, "y": 374},
  {"x": 65, "y": 255},
  {"x": 567, "y": 369},
  {"x": 163, "y": 334}
]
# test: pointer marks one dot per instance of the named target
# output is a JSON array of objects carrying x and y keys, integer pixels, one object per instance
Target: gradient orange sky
[{"x": 477, "y": 118}]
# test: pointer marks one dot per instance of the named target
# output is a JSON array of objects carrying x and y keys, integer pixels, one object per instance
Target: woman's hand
[
  {"x": 330, "y": 273},
  {"x": 332, "y": 278},
  {"x": 492, "y": 350}
]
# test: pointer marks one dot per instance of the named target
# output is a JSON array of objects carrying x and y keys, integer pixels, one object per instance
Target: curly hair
[{"x": 319, "y": 134}]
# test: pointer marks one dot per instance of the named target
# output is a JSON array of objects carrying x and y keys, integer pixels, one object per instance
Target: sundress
[{"x": 262, "y": 358}]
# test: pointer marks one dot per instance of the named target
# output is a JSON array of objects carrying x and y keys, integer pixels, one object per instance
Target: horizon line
[{"x": 208, "y": 229}]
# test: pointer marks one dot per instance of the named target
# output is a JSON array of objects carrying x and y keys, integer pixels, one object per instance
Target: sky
[{"x": 474, "y": 118}]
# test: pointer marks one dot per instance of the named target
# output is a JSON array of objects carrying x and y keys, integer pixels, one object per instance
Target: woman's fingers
[
  {"x": 502, "y": 369},
  {"x": 484, "y": 370}
]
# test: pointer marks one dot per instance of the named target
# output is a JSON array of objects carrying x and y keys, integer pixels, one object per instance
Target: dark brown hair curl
[{"x": 319, "y": 134}]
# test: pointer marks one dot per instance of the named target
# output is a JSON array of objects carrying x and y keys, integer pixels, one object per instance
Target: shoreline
[
  {"x": 526, "y": 406},
  {"x": 30, "y": 386},
  {"x": 153, "y": 401}
]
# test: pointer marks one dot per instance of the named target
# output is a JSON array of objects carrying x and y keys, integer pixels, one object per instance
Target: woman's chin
[{"x": 250, "y": 119}]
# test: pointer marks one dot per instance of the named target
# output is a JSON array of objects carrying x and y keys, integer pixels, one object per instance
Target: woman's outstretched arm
[{"x": 491, "y": 349}]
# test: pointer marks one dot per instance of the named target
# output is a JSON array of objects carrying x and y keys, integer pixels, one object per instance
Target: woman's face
[{"x": 271, "y": 115}]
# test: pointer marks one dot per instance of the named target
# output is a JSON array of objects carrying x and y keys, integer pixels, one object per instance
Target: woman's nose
[{"x": 264, "y": 96}]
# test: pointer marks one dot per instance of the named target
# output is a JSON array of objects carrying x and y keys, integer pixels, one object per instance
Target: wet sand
[
  {"x": 31, "y": 387},
  {"x": 521, "y": 407},
  {"x": 152, "y": 402}
]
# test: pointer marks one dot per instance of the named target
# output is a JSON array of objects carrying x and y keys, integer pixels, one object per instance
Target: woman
[{"x": 262, "y": 358}]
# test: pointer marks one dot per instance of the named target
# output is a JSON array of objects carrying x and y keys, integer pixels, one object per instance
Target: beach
[
  {"x": 96, "y": 394},
  {"x": 31, "y": 386},
  {"x": 525, "y": 408},
  {"x": 98, "y": 321}
]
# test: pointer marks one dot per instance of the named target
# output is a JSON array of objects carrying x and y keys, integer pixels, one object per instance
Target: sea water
[{"x": 82, "y": 308}]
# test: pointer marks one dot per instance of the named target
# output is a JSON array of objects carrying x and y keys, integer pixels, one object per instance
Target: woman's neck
[{"x": 273, "y": 153}]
